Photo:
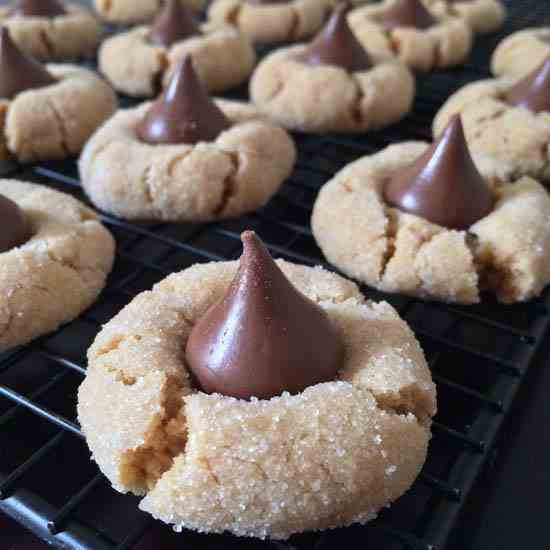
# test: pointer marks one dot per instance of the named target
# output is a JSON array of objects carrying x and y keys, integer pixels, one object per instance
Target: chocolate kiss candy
[
  {"x": 533, "y": 92},
  {"x": 38, "y": 8},
  {"x": 263, "y": 337},
  {"x": 336, "y": 45},
  {"x": 15, "y": 230},
  {"x": 173, "y": 23},
  {"x": 19, "y": 72},
  {"x": 184, "y": 113},
  {"x": 407, "y": 13},
  {"x": 443, "y": 185}
]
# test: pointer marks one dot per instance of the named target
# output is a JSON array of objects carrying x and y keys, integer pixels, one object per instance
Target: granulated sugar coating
[{"x": 333, "y": 455}]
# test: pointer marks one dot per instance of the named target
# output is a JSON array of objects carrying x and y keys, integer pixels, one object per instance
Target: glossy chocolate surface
[
  {"x": 15, "y": 228},
  {"x": 173, "y": 24},
  {"x": 336, "y": 45},
  {"x": 443, "y": 185},
  {"x": 407, "y": 13},
  {"x": 184, "y": 112},
  {"x": 263, "y": 337},
  {"x": 532, "y": 92},
  {"x": 18, "y": 71},
  {"x": 38, "y": 8}
]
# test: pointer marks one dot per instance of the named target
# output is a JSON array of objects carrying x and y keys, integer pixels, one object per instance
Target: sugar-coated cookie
[
  {"x": 515, "y": 138},
  {"x": 331, "y": 455},
  {"x": 70, "y": 35},
  {"x": 521, "y": 52},
  {"x": 332, "y": 84},
  {"x": 223, "y": 57},
  {"x": 506, "y": 252},
  {"x": 137, "y": 11},
  {"x": 420, "y": 38},
  {"x": 58, "y": 269},
  {"x": 482, "y": 16},
  {"x": 186, "y": 157},
  {"x": 272, "y": 22}
]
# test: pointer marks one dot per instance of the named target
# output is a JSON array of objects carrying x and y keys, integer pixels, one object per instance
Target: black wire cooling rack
[{"x": 479, "y": 356}]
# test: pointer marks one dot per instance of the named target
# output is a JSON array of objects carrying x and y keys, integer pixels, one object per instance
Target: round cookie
[
  {"x": 329, "y": 456},
  {"x": 137, "y": 11},
  {"x": 237, "y": 172},
  {"x": 54, "y": 122},
  {"x": 222, "y": 56},
  {"x": 332, "y": 84},
  {"x": 516, "y": 139},
  {"x": 445, "y": 44},
  {"x": 56, "y": 274},
  {"x": 521, "y": 52},
  {"x": 482, "y": 16},
  {"x": 272, "y": 23},
  {"x": 506, "y": 253},
  {"x": 73, "y": 35}
]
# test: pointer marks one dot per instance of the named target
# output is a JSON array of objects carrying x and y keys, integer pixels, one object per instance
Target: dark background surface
[{"x": 506, "y": 511}]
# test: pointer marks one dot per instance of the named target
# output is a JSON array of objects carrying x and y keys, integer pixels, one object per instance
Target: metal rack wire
[{"x": 479, "y": 356}]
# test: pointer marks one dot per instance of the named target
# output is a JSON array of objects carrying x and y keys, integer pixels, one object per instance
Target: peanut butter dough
[
  {"x": 507, "y": 252},
  {"x": 238, "y": 172},
  {"x": 222, "y": 57},
  {"x": 58, "y": 272},
  {"x": 73, "y": 35},
  {"x": 137, "y": 11},
  {"x": 333, "y": 455}
]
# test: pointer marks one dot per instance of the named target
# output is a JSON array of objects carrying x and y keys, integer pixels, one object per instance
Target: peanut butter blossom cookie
[
  {"x": 137, "y": 62},
  {"x": 409, "y": 31},
  {"x": 51, "y": 30},
  {"x": 272, "y": 21},
  {"x": 521, "y": 52},
  {"x": 138, "y": 11},
  {"x": 332, "y": 84},
  {"x": 508, "y": 121},
  {"x": 257, "y": 397},
  {"x": 47, "y": 112},
  {"x": 428, "y": 221},
  {"x": 54, "y": 259},
  {"x": 482, "y": 16},
  {"x": 186, "y": 157}
]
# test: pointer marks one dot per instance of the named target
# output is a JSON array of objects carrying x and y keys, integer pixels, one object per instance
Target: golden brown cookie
[
  {"x": 222, "y": 57},
  {"x": 506, "y": 253},
  {"x": 330, "y": 456},
  {"x": 517, "y": 140},
  {"x": 445, "y": 44},
  {"x": 272, "y": 23},
  {"x": 521, "y": 52},
  {"x": 238, "y": 172},
  {"x": 73, "y": 35},
  {"x": 58, "y": 272},
  {"x": 482, "y": 16},
  {"x": 328, "y": 98},
  {"x": 137, "y": 11},
  {"x": 55, "y": 121}
]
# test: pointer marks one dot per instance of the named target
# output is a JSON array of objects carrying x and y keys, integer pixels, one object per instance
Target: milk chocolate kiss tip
[
  {"x": 172, "y": 24},
  {"x": 184, "y": 112},
  {"x": 263, "y": 337},
  {"x": 38, "y": 8},
  {"x": 532, "y": 92},
  {"x": 443, "y": 185},
  {"x": 336, "y": 45},
  {"x": 407, "y": 13},
  {"x": 15, "y": 229},
  {"x": 19, "y": 72}
]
